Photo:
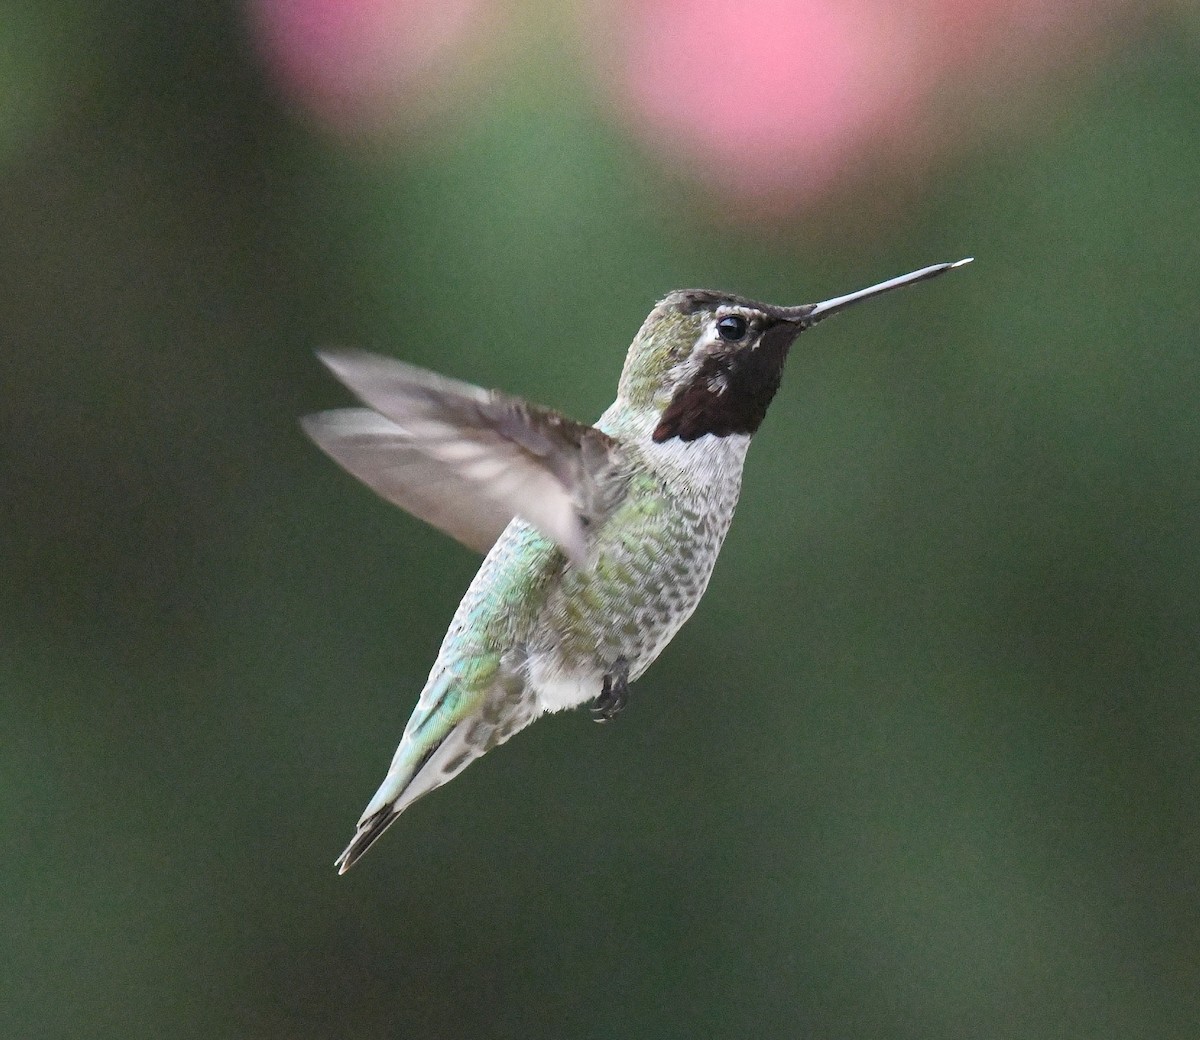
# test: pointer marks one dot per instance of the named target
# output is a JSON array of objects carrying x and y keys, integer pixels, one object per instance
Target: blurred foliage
[{"x": 925, "y": 764}]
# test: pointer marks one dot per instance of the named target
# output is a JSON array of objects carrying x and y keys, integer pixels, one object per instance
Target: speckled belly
[{"x": 652, "y": 564}]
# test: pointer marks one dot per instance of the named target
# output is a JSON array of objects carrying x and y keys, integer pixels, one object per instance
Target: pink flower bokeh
[
  {"x": 360, "y": 63},
  {"x": 775, "y": 102},
  {"x": 767, "y": 96},
  {"x": 771, "y": 103}
]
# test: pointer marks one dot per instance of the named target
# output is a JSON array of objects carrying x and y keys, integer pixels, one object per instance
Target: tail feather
[
  {"x": 410, "y": 778},
  {"x": 438, "y": 744},
  {"x": 395, "y": 795},
  {"x": 369, "y": 831}
]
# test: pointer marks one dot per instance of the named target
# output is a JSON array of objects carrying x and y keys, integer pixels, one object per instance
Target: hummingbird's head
[{"x": 709, "y": 363}]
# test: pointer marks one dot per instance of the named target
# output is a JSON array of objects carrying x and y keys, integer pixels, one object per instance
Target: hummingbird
[{"x": 599, "y": 540}]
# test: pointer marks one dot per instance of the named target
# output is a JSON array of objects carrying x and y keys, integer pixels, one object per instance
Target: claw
[{"x": 614, "y": 693}]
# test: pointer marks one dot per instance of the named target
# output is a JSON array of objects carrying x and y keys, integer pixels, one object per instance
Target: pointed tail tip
[
  {"x": 348, "y": 858},
  {"x": 369, "y": 832},
  {"x": 962, "y": 263}
]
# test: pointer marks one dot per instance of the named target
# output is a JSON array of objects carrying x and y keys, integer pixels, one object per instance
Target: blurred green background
[{"x": 925, "y": 763}]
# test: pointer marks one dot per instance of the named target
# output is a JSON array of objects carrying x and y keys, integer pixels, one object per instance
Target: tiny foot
[{"x": 614, "y": 694}]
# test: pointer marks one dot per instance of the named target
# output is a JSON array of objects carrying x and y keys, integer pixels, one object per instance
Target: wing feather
[{"x": 468, "y": 460}]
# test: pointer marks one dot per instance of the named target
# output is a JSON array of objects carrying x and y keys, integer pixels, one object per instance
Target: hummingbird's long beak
[{"x": 809, "y": 314}]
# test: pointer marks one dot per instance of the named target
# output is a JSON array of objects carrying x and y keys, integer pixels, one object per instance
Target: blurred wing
[
  {"x": 382, "y": 456},
  {"x": 468, "y": 460}
]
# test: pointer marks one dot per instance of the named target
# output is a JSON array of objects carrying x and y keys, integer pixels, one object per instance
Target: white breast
[
  {"x": 558, "y": 688},
  {"x": 709, "y": 466}
]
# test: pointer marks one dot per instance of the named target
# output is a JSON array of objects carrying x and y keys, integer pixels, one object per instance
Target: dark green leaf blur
[{"x": 925, "y": 765}]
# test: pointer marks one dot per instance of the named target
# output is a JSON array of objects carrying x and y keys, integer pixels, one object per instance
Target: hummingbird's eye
[{"x": 732, "y": 327}]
